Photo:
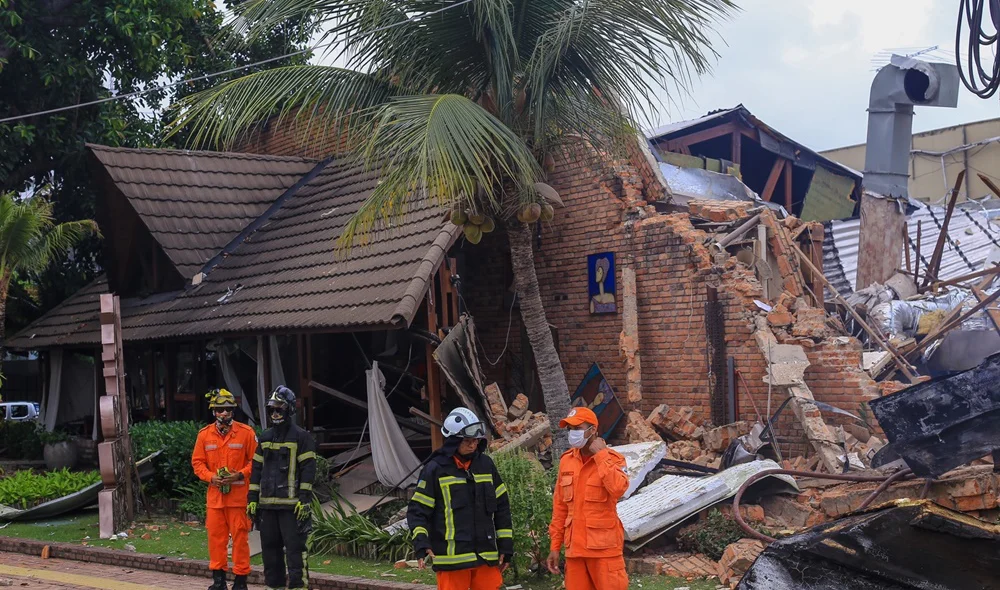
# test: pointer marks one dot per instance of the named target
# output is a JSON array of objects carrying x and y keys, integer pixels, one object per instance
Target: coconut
[
  {"x": 473, "y": 233},
  {"x": 477, "y": 218},
  {"x": 488, "y": 225},
  {"x": 532, "y": 212},
  {"x": 547, "y": 212},
  {"x": 458, "y": 217}
]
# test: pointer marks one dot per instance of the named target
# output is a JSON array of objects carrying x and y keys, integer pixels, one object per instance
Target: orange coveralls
[
  {"x": 226, "y": 514},
  {"x": 585, "y": 518}
]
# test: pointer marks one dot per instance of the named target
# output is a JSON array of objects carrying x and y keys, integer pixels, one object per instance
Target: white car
[{"x": 19, "y": 411}]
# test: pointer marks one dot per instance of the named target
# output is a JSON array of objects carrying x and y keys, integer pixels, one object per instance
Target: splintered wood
[{"x": 116, "y": 502}]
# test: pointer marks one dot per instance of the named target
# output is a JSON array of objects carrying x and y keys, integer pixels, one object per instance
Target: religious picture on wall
[
  {"x": 595, "y": 392},
  {"x": 601, "y": 282}
]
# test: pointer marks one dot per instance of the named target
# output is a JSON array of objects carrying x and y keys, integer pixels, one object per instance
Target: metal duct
[{"x": 897, "y": 88}]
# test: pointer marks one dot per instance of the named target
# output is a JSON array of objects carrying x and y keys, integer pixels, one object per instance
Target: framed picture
[
  {"x": 601, "y": 282},
  {"x": 595, "y": 392}
]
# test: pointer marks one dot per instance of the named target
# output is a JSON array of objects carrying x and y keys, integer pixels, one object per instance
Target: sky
[{"x": 805, "y": 67}]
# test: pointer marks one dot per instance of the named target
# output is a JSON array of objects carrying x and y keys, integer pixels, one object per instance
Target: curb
[{"x": 186, "y": 567}]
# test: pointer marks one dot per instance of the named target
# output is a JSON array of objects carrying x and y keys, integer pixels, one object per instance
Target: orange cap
[{"x": 578, "y": 416}]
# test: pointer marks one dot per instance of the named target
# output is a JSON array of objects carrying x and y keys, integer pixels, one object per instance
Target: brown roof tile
[{"x": 285, "y": 276}]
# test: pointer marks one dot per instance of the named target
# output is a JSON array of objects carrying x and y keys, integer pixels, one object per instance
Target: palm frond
[
  {"x": 440, "y": 147},
  {"x": 29, "y": 237},
  {"x": 623, "y": 50},
  {"x": 331, "y": 100}
]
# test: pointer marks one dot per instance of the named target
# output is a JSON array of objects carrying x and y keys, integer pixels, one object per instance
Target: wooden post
[
  {"x": 737, "y": 147},
  {"x": 916, "y": 261},
  {"x": 788, "y": 186},
  {"x": 906, "y": 246},
  {"x": 170, "y": 362},
  {"x": 154, "y": 409},
  {"x": 116, "y": 502},
  {"x": 934, "y": 266},
  {"x": 772, "y": 178},
  {"x": 816, "y": 236},
  {"x": 305, "y": 377},
  {"x": 433, "y": 374}
]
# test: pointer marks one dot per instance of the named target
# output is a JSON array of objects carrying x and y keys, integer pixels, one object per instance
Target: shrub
[
  {"x": 21, "y": 439},
  {"x": 355, "y": 535},
  {"x": 711, "y": 535},
  {"x": 26, "y": 489},
  {"x": 192, "y": 498},
  {"x": 530, "y": 489},
  {"x": 49, "y": 438},
  {"x": 173, "y": 467}
]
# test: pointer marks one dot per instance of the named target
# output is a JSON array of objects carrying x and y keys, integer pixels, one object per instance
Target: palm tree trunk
[{"x": 550, "y": 371}]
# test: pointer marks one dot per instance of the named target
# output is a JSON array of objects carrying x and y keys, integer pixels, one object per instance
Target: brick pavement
[{"x": 35, "y": 573}]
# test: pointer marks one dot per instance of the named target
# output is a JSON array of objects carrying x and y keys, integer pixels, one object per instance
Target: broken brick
[
  {"x": 637, "y": 430},
  {"x": 675, "y": 424},
  {"x": 719, "y": 438}
]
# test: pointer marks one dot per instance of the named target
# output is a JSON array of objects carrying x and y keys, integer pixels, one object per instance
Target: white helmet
[{"x": 463, "y": 422}]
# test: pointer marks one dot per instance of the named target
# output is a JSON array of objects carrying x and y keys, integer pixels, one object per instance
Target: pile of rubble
[
  {"x": 517, "y": 426},
  {"x": 688, "y": 437}
]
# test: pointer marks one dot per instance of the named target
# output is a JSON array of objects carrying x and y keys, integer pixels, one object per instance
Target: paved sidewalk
[{"x": 35, "y": 573}]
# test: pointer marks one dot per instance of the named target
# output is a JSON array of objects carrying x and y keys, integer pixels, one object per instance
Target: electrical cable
[
  {"x": 980, "y": 80},
  {"x": 412, "y": 19}
]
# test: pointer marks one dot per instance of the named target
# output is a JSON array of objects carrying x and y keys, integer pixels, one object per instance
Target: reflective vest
[
  {"x": 461, "y": 514},
  {"x": 283, "y": 468}
]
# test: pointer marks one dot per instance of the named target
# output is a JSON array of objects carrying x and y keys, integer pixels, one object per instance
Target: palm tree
[
  {"x": 30, "y": 239},
  {"x": 467, "y": 102}
]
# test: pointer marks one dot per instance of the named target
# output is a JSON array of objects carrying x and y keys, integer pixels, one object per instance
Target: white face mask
[{"x": 578, "y": 438}]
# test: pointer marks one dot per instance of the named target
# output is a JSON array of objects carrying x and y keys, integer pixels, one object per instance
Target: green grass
[{"x": 174, "y": 538}]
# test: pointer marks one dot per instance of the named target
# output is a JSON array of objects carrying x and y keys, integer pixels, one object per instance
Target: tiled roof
[
  {"x": 285, "y": 276},
  {"x": 194, "y": 203}
]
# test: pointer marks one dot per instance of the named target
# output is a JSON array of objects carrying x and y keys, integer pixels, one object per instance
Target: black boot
[
  {"x": 240, "y": 583},
  {"x": 219, "y": 580}
]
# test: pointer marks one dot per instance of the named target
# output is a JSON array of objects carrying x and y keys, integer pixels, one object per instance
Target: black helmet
[{"x": 283, "y": 400}]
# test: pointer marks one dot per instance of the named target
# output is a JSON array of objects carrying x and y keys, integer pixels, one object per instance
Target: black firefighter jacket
[
  {"x": 283, "y": 468},
  {"x": 462, "y": 516}
]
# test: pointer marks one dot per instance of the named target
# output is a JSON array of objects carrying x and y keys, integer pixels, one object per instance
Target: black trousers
[{"x": 282, "y": 538}]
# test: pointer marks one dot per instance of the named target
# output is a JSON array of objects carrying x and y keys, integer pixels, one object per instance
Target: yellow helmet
[{"x": 220, "y": 398}]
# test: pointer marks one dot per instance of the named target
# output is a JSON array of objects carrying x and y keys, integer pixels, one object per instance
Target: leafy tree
[
  {"x": 55, "y": 53},
  {"x": 466, "y": 105},
  {"x": 30, "y": 238}
]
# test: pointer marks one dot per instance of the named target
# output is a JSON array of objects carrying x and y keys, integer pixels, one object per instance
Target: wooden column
[
  {"x": 170, "y": 362},
  {"x": 816, "y": 235},
  {"x": 433, "y": 374},
  {"x": 154, "y": 409},
  {"x": 772, "y": 178},
  {"x": 788, "y": 186},
  {"x": 305, "y": 376},
  {"x": 737, "y": 147}
]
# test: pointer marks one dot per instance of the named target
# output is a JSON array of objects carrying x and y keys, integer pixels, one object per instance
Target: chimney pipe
[{"x": 897, "y": 88}]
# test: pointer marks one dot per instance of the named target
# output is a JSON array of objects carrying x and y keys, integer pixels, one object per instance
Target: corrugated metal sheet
[
  {"x": 971, "y": 238},
  {"x": 285, "y": 276},
  {"x": 672, "y": 498}
]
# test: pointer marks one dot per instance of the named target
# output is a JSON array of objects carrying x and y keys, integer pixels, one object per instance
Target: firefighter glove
[{"x": 302, "y": 511}]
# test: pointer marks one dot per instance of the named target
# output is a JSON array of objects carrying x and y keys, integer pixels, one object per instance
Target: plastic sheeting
[
  {"x": 232, "y": 381},
  {"x": 50, "y": 411},
  {"x": 395, "y": 463}
]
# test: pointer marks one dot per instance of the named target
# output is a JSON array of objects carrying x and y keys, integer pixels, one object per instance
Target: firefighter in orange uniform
[
  {"x": 223, "y": 457},
  {"x": 584, "y": 515}
]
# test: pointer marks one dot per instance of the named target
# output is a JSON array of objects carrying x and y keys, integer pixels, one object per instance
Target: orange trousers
[
  {"x": 596, "y": 573},
  {"x": 483, "y": 577},
  {"x": 221, "y": 523}
]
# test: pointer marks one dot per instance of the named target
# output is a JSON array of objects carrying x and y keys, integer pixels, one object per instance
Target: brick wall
[{"x": 606, "y": 211}]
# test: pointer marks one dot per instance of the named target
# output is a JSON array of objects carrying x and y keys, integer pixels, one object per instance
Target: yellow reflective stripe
[
  {"x": 293, "y": 447},
  {"x": 505, "y": 534},
  {"x": 449, "y": 515},
  {"x": 490, "y": 555},
  {"x": 484, "y": 478},
  {"x": 306, "y": 487},
  {"x": 258, "y": 458},
  {"x": 276, "y": 445},
  {"x": 306, "y": 456},
  {"x": 455, "y": 559},
  {"x": 421, "y": 484},
  {"x": 420, "y": 531},
  {"x": 501, "y": 489},
  {"x": 424, "y": 499},
  {"x": 282, "y": 501},
  {"x": 450, "y": 480},
  {"x": 254, "y": 487}
]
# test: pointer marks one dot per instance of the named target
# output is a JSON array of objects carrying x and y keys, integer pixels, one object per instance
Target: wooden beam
[
  {"x": 347, "y": 399},
  {"x": 934, "y": 266},
  {"x": 906, "y": 245},
  {"x": 434, "y": 385},
  {"x": 904, "y": 367},
  {"x": 957, "y": 280},
  {"x": 949, "y": 324},
  {"x": 788, "y": 186},
  {"x": 916, "y": 262},
  {"x": 706, "y": 134},
  {"x": 737, "y": 147},
  {"x": 992, "y": 312},
  {"x": 416, "y": 412},
  {"x": 772, "y": 178},
  {"x": 990, "y": 184},
  {"x": 816, "y": 237}
]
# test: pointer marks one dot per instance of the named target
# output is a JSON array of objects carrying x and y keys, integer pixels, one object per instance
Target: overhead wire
[
  {"x": 412, "y": 19},
  {"x": 982, "y": 80}
]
